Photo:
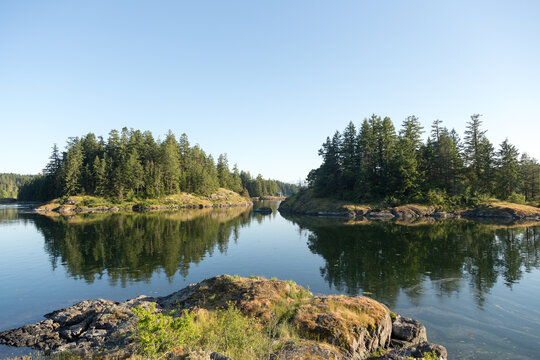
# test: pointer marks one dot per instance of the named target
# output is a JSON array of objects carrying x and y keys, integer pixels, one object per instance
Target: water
[{"x": 475, "y": 286}]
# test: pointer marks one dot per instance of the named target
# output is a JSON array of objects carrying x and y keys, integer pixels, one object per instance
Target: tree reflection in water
[
  {"x": 384, "y": 258},
  {"x": 131, "y": 247}
]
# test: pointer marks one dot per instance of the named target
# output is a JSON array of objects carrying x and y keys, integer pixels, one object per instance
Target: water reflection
[
  {"x": 383, "y": 258},
  {"x": 131, "y": 247}
]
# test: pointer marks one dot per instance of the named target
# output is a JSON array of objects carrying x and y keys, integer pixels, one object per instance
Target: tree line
[
  {"x": 131, "y": 164},
  {"x": 376, "y": 163},
  {"x": 10, "y": 184}
]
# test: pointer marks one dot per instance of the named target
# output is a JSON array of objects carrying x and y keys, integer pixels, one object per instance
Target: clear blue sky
[{"x": 264, "y": 81}]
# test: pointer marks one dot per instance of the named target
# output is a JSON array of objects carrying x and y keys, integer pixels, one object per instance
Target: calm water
[{"x": 476, "y": 287}]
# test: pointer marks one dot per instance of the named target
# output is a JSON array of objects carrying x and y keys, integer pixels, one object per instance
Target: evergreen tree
[
  {"x": 349, "y": 157},
  {"x": 530, "y": 175},
  {"x": 477, "y": 152},
  {"x": 223, "y": 173},
  {"x": 171, "y": 164},
  {"x": 53, "y": 173},
  {"x": 407, "y": 162},
  {"x": 508, "y": 170},
  {"x": 74, "y": 162},
  {"x": 99, "y": 169}
]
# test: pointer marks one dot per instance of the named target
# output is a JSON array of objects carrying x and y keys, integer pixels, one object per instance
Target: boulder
[
  {"x": 309, "y": 350},
  {"x": 408, "y": 330},
  {"x": 359, "y": 325}
]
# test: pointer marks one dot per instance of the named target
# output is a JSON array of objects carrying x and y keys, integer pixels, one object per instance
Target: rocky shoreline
[
  {"x": 69, "y": 210},
  {"x": 88, "y": 204},
  {"x": 331, "y": 327},
  {"x": 305, "y": 204}
]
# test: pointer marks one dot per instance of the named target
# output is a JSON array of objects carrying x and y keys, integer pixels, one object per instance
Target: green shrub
[
  {"x": 158, "y": 334},
  {"x": 436, "y": 198},
  {"x": 516, "y": 198},
  {"x": 391, "y": 201}
]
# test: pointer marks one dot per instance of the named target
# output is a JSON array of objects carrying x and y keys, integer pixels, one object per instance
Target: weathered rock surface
[
  {"x": 359, "y": 325},
  {"x": 308, "y": 350},
  {"x": 345, "y": 327},
  {"x": 407, "y": 330},
  {"x": 87, "y": 327},
  {"x": 380, "y": 215},
  {"x": 418, "y": 351},
  {"x": 409, "y": 341}
]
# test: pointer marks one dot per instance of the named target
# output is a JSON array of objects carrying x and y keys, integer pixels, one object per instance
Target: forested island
[
  {"x": 10, "y": 184},
  {"x": 131, "y": 166},
  {"x": 381, "y": 168}
]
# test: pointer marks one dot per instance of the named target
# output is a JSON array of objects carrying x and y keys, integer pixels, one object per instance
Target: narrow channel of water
[{"x": 474, "y": 285}]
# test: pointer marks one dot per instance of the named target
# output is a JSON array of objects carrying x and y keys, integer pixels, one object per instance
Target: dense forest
[
  {"x": 131, "y": 164},
  {"x": 374, "y": 163},
  {"x": 10, "y": 184}
]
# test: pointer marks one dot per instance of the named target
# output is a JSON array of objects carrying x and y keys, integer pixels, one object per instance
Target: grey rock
[
  {"x": 416, "y": 352},
  {"x": 380, "y": 215},
  {"x": 307, "y": 350},
  {"x": 84, "y": 328},
  {"x": 408, "y": 330}
]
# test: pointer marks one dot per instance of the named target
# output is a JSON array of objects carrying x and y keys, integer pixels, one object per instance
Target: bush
[
  {"x": 436, "y": 198},
  {"x": 158, "y": 334},
  {"x": 391, "y": 201},
  {"x": 516, "y": 198}
]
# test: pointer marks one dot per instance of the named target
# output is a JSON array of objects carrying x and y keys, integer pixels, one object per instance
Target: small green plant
[
  {"x": 379, "y": 353},
  {"x": 158, "y": 334},
  {"x": 516, "y": 198},
  {"x": 393, "y": 316},
  {"x": 426, "y": 356}
]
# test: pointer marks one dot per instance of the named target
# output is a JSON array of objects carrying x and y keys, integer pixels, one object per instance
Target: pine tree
[
  {"x": 73, "y": 166},
  {"x": 407, "y": 164},
  {"x": 349, "y": 157},
  {"x": 99, "y": 168},
  {"x": 53, "y": 173},
  {"x": 223, "y": 173},
  {"x": 170, "y": 160},
  {"x": 530, "y": 175},
  {"x": 508, "y": 170},
  {"x": 476, "y": 151}
]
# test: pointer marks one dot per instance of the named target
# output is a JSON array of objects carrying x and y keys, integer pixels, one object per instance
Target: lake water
[{"x": 475, "y": 286}]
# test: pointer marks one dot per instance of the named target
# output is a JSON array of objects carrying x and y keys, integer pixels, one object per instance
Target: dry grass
[
  {"x": 85, "y": 203},
  {"x": 338, "y": 318},
  {"x": 517, "y": 209}
]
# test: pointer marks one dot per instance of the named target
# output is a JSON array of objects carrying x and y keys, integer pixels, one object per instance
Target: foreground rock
[{"x": 344, "y": 327}]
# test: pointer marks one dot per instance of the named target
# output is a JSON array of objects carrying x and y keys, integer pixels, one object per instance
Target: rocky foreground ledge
[{"x": 329, "y": 327}]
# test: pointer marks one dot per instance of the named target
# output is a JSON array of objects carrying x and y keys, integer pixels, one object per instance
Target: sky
[{"x": 263, "y": 81}]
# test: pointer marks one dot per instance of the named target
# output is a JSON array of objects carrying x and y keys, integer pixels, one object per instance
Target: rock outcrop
[
  {"x": 330, "y": 327},
  {"x": 304, "y": 203}
]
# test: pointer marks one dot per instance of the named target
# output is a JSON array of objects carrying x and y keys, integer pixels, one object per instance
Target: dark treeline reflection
[
  {"x": 383, "y": 258},
  {"x": 131, "y": 247}
]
